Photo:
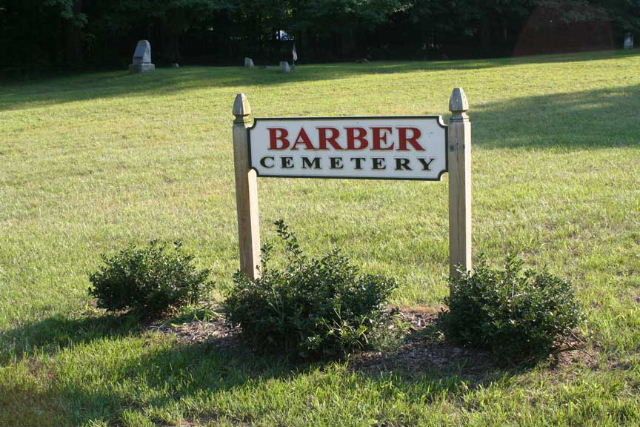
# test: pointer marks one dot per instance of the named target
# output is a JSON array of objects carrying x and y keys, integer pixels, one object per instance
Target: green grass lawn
[{"x": 91, "y": 162}]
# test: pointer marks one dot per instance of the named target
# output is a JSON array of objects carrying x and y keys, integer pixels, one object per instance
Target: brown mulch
[
  {"x": 430, "y": 352},
  {"x": 213, "y": 331},
  {"x": 423, "y": 350},
  {"x": 573, "y": 352}
]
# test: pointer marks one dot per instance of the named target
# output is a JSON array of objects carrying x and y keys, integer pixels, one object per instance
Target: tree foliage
[{"x": 65, "y": 33}]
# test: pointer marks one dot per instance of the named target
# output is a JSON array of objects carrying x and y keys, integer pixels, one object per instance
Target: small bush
[
  {"x": 149, "y": 280},
  {"x": 516, "y": 315},
  {"x": 309, "y": 307}
]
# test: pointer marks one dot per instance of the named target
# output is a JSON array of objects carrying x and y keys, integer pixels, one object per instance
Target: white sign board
[{"x": 349, "y": 147}]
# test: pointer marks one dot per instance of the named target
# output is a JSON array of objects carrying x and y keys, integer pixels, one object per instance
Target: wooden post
[
  {"x": 459, "y": 158},
  {"x": 246, "y": 191}
]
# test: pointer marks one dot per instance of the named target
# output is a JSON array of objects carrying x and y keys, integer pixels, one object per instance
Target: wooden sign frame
[{"x": 458, "y": 166}]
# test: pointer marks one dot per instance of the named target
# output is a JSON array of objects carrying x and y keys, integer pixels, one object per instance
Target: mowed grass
[{"x": 92, "y": 162}]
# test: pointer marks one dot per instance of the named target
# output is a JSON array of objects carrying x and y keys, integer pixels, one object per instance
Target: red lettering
[
  {"x": 352, "y": 138},
  {"x": 324, "y": 138},
  {"x": 303, "y": 138},
  {"x": 379, "y": 136},
  {"x": 278, "y": 134},
  {"x": 404, "y": 139}
]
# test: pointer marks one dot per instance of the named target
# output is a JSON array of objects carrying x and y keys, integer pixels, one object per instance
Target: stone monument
[
  {"x": 628, "y": 41},
  {"x": 248, "y": 62},
  {"x": 285, "y": 67},
  {"x": 142, "y": 58}
]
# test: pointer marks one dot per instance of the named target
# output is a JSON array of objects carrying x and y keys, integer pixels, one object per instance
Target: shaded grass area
[
  {"x": 89, "y": 163},
  {"x": 149, "y": 380},
  {"x": 56, "y": 333},
  {"x": 167, "y": 81},
  {"x": 595, "y": 115}
]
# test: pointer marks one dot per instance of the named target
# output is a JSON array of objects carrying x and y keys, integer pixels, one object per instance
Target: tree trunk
[
  {"x": 172, "y": 46},
  {"x": 485, "y": 36},
  {"x": 73, "y": 37}
]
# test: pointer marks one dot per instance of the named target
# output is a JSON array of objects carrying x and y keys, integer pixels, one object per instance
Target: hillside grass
[{"x": 91, "y": 162}]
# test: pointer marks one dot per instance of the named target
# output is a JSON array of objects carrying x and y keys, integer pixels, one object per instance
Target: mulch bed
[
  {"x": 213, "y": 331},
  {"x": 421, "y": 352}
]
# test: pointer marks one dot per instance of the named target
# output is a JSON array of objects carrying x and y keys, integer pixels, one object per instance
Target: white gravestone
[
  {"x": 142, "y": 58},
  {"x": 285, "y": 67},
  {"x": 248, "y": 62},
  {"x": 628, "y": 41}
]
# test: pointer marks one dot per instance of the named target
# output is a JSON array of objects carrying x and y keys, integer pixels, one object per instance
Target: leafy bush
[
  {"x": 309, "y": 307},
  {"x": 149, "y": 280},
  {"x": 517, "y": 315}
]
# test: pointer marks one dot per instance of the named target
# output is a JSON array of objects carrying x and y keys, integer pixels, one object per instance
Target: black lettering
[
  {"x": 358, "y": 161},
  {"x": 425, "y": 164},
  {"x": 378, "y": 163},
  {"x": 311, "y": 163},
  {"x": 287, "y": 162},
  {"x": 263, "y": 162},
  {"x": 336, "y": 162},
  {"x": 402, "y": 164}
]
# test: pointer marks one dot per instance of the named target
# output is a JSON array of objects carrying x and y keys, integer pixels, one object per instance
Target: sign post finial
[
  {"x": 241, "y": 108},
  {"x": 458, "y": 103}
]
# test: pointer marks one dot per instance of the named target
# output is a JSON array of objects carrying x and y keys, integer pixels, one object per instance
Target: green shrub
[
  {"x": 309, "y": 307},
  {"x": 517, "y": 315},
  {"x": 149, "y": 280}
]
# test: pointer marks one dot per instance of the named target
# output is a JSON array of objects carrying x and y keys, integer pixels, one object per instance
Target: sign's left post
[{"x": 246, "y": 190}]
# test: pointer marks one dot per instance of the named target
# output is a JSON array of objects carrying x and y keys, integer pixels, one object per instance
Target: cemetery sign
[
  {"x": 404, "y": 147},
  {"x": 349, "y": 147}
]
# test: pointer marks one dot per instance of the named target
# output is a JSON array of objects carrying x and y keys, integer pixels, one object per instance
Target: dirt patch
[
  {"x": 573, "y": 352},
  {"x": 423, "y": 350},
  {"x": 213, "y": 331}
]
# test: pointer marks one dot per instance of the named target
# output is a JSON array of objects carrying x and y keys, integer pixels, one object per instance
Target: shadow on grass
[
  {"x": 56, "y": 333},
  {"x": 425, "y": 356},
  {"x": 162, "y": 378},
  {"x": 190, "y": 372},
  {"x": 171, "y": 372},
  {"x": 588, "y": 119},
  {"x": 167, "y": 81},
  {"x": 601, "y": 118}
]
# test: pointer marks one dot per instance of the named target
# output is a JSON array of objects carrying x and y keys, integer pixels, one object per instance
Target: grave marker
[
  {"x": 285, "y": 67},
  {"x": 141, "y": 62}
]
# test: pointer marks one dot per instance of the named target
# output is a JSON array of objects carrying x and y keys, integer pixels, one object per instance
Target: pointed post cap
[
  {"x": 458, "y": 102},
  {"x": 241, "y": 107}
]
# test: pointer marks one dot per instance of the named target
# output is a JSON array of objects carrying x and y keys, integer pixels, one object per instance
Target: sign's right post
[{"x": 459, "y": 159}]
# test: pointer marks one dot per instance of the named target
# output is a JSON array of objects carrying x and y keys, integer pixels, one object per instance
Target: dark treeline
[{"x": 38, "y": 35}]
